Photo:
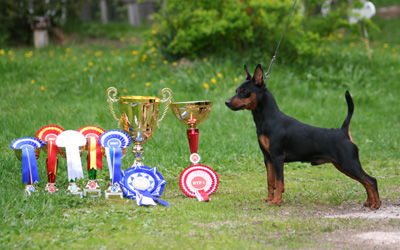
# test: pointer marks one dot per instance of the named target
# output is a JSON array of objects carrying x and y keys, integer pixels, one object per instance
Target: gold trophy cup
[{"x": 138, "y": 116}]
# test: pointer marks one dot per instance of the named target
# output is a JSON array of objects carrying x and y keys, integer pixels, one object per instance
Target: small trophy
[
  {"x": 138, "y": 116},
  {"x": 27, "y": 150},
  {"x": 115, "y": 145},
  {"x": 95, "y": 159},
  {"x": 48, "y": 135},
  {"x": 72, "y": 144},
  {"x": 197, "y": 180}
]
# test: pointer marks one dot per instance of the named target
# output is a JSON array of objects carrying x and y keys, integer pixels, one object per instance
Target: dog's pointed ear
[
  {"x": 258, "y": 76},
  {"x": 247, "y": 74}
]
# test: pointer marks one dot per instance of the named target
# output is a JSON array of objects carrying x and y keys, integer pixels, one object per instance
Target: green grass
[{"x": 66, "y": 86}]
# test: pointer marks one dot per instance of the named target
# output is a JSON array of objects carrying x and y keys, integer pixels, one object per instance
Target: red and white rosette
[
  {"x": 199, "y": 181},
  {"x": 49, "y": 134}
]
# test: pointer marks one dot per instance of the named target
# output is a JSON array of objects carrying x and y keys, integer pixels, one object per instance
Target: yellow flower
[
  {"x": 213, "y": 80},
  {"x": 68, "y": 50},
  {"x": 33, "y": 81},
  {"x": 345, "y": 50},
  {"x": 125, "y": 90},
  {"x": 330, "y": 35},
  {"x": 2, "y": 52},
  {"x": 147, "y": 84},
  {"x": 134, "y": 52},
  {"x": 10, "y": 53},
  {"x": 42, "y": 88},
  {"x": 133, "y": 40},
  {"x": 352, "y": 44},
  {"x": 206, "y": 85},
  {"x": 189, "y": 71},
  {"x": 219, "y": 75},
  {"x": 153, "y": 32},
  {"x": 66, "y": 55},
  {"x": 172, "y": 82},
  {"x": 90, "y": 64},
  {"x": 98, "y": 53},
  {"x": 204, "y": 59},
  {"x": 340, "y": 35},
  {"x": 29, "y": 54},
  {"x": 236, "y": 79},
  {"x": 84, "y": 69},
  {"x": 174, "y": 64},
  {"x": 109, "y": 68},
  {"x": 51, "y": 53},
  {"x": 165, "y": 62},
  {"x": 153, "y": 66},
  {"x": 385, "y": 45},
  {"x": 122, "y": 39}
]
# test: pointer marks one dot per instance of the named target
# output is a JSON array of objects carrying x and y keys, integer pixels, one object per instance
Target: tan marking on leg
[
  {"x": 270, "y": 181},
  {"x": 278, "y": 193}
]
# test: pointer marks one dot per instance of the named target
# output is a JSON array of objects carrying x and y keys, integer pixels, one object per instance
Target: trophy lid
[{"x": 191, "y": 113}]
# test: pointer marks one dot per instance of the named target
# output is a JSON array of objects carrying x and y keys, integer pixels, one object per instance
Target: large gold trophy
[
  {"x": 138, "y": 116},
  {"x": 197, "y": 180}
]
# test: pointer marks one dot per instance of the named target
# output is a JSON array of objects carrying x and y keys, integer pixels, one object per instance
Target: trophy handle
[
  {"x": 111, "y": 99},
  {"x": 167, "y": 101}
]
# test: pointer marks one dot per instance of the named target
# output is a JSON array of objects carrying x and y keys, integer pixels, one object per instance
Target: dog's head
[{"x": 246, "y": 93}]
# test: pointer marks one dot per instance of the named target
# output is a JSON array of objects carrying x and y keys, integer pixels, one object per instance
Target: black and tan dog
[{"x": 285, "y": 139}]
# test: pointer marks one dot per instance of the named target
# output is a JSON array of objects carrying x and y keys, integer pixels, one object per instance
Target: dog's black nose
[{"x": 228, "y": 102}]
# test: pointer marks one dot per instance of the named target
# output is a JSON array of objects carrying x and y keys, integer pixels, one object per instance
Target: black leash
[{"x": 267, "y": 75}]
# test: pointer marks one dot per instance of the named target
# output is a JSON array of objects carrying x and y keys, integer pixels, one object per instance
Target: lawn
[{"x": 66, "y": 86}]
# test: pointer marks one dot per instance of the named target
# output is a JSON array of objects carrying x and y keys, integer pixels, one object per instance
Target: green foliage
[{"x": 193, "y": 28}]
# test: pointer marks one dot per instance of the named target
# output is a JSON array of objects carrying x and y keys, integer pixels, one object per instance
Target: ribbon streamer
[
  {"x": 74, "y": 163},
  {"x": 94, "y": 157},
  {"x": 30, "y": 173},
  {"x": 114, "y": 156},
  {"x": 51, "y": 161},
  {"x": 144, "y": 197},
  {"x": 201, "y": 195}
]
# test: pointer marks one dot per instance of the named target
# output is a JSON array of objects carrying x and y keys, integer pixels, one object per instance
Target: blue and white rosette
[
  {"x": 143, "y": 184},
  {"x": 113, "y": 141},
  {"x": 27, "y": 145}
]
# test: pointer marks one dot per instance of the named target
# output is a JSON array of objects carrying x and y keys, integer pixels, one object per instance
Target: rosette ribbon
[
  {"x": 51, "y": 161},
  {"x": 27, "y": 145},
  {"x": 72, "y": 140},
  {"x": 95, "y": 157},
  {"x": 143, "y": 184}
]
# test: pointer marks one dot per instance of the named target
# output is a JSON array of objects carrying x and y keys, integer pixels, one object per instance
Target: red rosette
[
  {"x": 49, "y": 133},
  {"x": 91, "y": 131},
  {"x": 198, "y": 178}
]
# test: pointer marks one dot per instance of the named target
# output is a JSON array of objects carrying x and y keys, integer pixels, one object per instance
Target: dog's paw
[{"x": 276, "y": 202}]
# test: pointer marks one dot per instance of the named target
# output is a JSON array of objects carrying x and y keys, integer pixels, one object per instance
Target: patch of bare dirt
[{"x": 384, "y": 234}]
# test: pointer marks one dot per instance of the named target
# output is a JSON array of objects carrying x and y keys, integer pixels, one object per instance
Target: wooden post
[{"x": 103, "y": 8}]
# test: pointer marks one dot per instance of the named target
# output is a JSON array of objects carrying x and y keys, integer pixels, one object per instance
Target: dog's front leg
[
  {"x": 270, "y": 180},
  {"x": 278, "y": 166}
]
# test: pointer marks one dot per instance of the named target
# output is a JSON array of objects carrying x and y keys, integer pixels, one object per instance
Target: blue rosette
[
  {"x": 27, "y": 149},
  {"x": 143, "y": 184},
  {"x": 115, "y": 139}
]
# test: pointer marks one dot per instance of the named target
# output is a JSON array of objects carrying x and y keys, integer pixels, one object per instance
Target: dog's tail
[{"x": 346, "y": 124}]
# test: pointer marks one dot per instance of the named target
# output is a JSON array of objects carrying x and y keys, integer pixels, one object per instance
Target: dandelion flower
[
  {"x": 125, "y": 90},
  {"x": 134, "y": 53},
  {"x": 189, "y": 71},
  {"x": 385, "y": 45},
  {"x": 172, "y": 82},
  {"x": 98, "y": 53},
  {"x": 340, "y": 35},
  {"x": 236, "y": 79},
  {"x": 147, "y": 84},
  {"x": 219, "y": 75},
  {"x": 165, "y": 62},
  {"x": 109, "y": 68},
  {"x": 33, "y": 82},
  {"x": 85, "y": 69},
  {"x": 122, "y": 39},
  {"x": 90, "y": 64},
  {"x": 206, "y": 85},
  {"x": 204, "y": 59},
  {"x": 352, "y": 44},
  {"x": 42, "y": 88},
  {"x": 174, "y": 64},
  {"x": 2, "y": 52},
  {"x": 213, "y": 80}
]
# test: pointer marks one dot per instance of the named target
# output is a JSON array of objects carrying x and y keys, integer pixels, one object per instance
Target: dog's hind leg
[{"x": 351, "y": 167}]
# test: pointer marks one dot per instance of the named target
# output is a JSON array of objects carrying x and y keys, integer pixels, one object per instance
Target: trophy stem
[
  {"x": 138, "y": 152},
  {"x": 193, "y": 137}
]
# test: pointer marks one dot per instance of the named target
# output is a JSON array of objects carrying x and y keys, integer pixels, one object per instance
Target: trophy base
[
  {"x": 73, "y": 188},
  {"x": 51, "y": 188},
  {"x": 30, "y": 188},
  {"x": 113, "y": 190},
  {"x": 92, "y": 189}
]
